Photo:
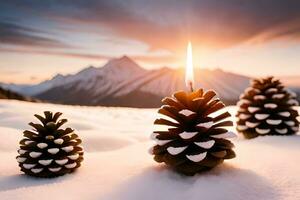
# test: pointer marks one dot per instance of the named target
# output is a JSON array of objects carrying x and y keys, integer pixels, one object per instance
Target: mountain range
[
  {"x": 7, "y": 94},
  {"x": 122, "y": 82}
]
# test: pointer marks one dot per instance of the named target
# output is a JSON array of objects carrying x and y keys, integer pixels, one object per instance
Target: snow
[
  {"x": 226, "y": 135},
  {"x": 274, "y": 121},
  {"x": 117, "y": 165},
  {"x": 281, "y": 131},
  {"x": 197, "y": 157},
  {"x": 272, "y": 90},
  {"x": 53, "y": 150},
  {"x": 206, "y": 125},
  {"x": 244, "y": 116},
  {"x": 176, "y": 150},
  {"x": 278, "y": 96},
  {"x": 284, "y": 114},
  {"x": 252, "y": 124},
  {"x": 206, "y": 145},
  {"x": 262, "y": 131},
  {"x": 186, "y": 112},
  {"x": 270, "y": 105},
  {"x": 259, "y": 97},
  {"x": 187, "y": 135},
  {"x": 253, "y": 109},
  {"x": 261, "y": 116},
  {"x": 290, "y": 123},
  {"x": 293, "y": 102}
]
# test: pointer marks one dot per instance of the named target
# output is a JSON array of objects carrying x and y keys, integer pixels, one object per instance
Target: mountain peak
[
  {"x": 123, "y": 63},
  {"x": 89, "y": 69},
  {"x": 125, "y": 59},
  {"x": 58, "y": 76}
]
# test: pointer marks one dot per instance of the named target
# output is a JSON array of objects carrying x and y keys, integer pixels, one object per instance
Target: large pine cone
[
  {"x": 267, "y": 108},
  {"x": 48, "y": 150},
  {"x": 196, "y": 139}
]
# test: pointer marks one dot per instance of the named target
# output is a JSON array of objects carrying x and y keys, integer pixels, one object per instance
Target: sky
[{"x": 39, "y": 39}]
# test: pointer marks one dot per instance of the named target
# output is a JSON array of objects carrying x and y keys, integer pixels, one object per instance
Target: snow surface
[{"x": 118, "y": 167}]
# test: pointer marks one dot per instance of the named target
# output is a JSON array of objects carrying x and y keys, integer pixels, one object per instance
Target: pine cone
[
  {"x": 48, "y": 150},
  {"x": 267, "y": 108},
  {"x": 196, "y": 139}
]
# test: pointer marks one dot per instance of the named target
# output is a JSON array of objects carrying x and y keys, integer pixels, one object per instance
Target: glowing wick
[{"x": 189, "y": 73}]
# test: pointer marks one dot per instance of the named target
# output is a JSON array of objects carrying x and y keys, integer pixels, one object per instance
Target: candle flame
[{"x": 189, "y": 73}]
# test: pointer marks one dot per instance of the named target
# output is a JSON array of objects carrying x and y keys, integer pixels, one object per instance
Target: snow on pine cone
[
  {"x": 196, "y": 138},
  {"x": 267, "y": 108},
  {"x": 48, "y": 150}
]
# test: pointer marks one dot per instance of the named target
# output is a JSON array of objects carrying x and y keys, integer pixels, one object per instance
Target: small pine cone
[
  {"x": 195, "y": 139},
  {"x": 267, "y": 108},
  {"x": 48, "y": 150}
]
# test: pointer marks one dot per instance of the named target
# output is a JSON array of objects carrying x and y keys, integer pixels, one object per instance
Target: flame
[{"x": 189, "y": 73}]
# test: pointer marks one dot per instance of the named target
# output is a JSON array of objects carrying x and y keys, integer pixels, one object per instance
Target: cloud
[
  {"x": 143, "y": 58},
  {"x": 55, "y": 53},
  {"x": 289, "y": 30},
  {"x": 167, "y": 24},
  {"x": 14, "y": 34}
]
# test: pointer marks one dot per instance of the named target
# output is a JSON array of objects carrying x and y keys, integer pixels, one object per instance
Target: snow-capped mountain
[
  {"x": 32, "y": 90},
  {"x": 117, "y": 69},
  {"x": 122, "y": 82}
]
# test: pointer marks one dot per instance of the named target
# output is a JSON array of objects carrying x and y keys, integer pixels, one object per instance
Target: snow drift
[{"x": 118, "y": 167}]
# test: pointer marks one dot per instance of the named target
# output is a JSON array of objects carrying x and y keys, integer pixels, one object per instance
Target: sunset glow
[{"x": 41, "y": 39}]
